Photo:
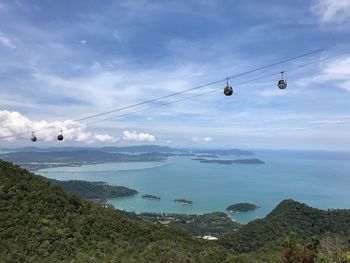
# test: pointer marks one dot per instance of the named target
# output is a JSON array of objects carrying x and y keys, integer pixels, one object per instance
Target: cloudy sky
[{"x": 61, "y": 61}]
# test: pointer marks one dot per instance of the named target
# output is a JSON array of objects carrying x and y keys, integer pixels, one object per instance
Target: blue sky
[{"x": 63, "y": 60}]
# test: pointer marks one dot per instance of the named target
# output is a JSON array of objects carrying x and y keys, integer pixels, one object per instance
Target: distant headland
[{"x": 94, "y": 190}]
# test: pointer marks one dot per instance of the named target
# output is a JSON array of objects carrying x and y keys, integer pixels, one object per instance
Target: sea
[{"x": 321, "y": 179}]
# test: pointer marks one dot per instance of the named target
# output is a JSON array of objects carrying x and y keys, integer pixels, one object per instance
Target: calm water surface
[{"x": 319, "y": 178}]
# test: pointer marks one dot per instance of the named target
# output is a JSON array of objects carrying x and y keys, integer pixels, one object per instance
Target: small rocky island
[
  {"x": 238, "y": 161},
  {"x": 242, "y": 207},
  {"x": 198, "y": 159},
  {"x": 183, "y": 201},
  {"x": 150, "y": 197},
  {"x": 207, "y": 156}
]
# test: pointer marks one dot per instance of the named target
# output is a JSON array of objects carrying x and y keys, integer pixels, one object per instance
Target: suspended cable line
[
  {"x": 80, "y": 122},
  {"x": 209, "y": 83},
  {"x": 194, "y": 96}
]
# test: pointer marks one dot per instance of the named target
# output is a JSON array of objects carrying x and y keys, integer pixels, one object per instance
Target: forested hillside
[
  {"x": 289, "y": 217},
  {"x": 39, "y": 222}
]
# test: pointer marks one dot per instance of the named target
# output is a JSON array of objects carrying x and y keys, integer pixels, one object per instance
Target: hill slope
[
  {"x": 39, "y": 222},
  {"x": 289, "y": 216}
]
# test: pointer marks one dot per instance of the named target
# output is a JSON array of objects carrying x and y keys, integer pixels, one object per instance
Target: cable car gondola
[
  {"x": 60, "y": 137},
  {"x": 34, "y": 138},
  {"x": 282, "y": 83},
  {"x": 228, "y": 91}
]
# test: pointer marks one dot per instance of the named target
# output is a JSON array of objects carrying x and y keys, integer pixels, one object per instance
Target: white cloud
[
  {"x": 332, "y": 11},
  {"x": 105, "y": 138},
  {"x": 334, "y": 121},
  {"x": 105, "y": 88},
  {"x": 138, "y": 137},
  {"x": 14, "y": 126},
  {"x": 271, "y": 93},
  {"x": 201, "y": 139},
  {"x": 5, "y": 41},
  {"x": 3, "y": 8},
  {"x": 63, "y": 77},
  {"x": 337, "y": 70},
  {"x": 117, "y": 37}
]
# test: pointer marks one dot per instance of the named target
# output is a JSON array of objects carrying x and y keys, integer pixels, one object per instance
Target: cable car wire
[
  {"x": 209, "y": 83},
  {"x": 81, "y": 124},
  {"x": 215, "y": 82},
  {"x": 81, "y": 120},
  {"x": 196, "y": 95}
]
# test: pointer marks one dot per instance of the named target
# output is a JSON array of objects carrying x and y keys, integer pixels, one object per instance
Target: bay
[{"x": 318, "y": 178}]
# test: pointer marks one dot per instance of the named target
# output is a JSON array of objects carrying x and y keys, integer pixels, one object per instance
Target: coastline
[
  {"x": 100, "y": 168},
  {"x": 265, "y": 185}
]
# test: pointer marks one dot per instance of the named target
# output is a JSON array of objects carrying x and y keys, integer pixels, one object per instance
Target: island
[
  {"x": 186, "y": 154},
  {"x": 242, "y": 207},
  {"x": 198, "y": 159},
  {"x": 248, "y": 161},
  {"x": 236, "y": 152},
  {"x": 238, "y": 161},
  {"x": 183, "y": 201},
  {"x": 150, "y": 197},
  {"x": 207, "y": 156}
]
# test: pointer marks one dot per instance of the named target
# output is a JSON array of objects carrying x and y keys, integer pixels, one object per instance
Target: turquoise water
[{"x": 319, "y": 178}]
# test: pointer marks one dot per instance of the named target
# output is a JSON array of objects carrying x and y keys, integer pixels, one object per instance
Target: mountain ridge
[{"x": 147, "y": 148}]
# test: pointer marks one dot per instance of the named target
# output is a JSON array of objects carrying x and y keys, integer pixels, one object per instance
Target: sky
[{"x": 61, "y": 61}]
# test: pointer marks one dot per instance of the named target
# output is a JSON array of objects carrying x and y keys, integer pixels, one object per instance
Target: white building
[{"x": 210, "y": 237}]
